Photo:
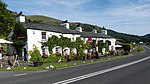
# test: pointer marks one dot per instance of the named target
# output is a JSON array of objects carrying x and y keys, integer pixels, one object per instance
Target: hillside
[
  {"x": 147, "y": 36},
  {"x": 44, "y": 19},
  {"x": 87, "y": 27},
  {"x": 56, "y": 22}
]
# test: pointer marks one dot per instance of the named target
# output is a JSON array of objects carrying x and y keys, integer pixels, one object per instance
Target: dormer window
[{"x": 43, "y": 35}]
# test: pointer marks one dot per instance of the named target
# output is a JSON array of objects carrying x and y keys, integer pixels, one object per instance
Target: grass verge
[
  {"x": 53, "y": 66},
  {"x": 140, "y": 48}
]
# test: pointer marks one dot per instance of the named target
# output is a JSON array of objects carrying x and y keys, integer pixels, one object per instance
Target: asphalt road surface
[{"x": 131, "y": 70}]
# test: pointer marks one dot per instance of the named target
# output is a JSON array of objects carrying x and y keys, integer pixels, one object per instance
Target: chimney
[
  {"x": 94, "y": 30},
  {"x": 20, "y": 17},
  {"x": 104, "y": 32},
  {"x": 79, "y": 28},
  {"x": 65, "y": 24}
]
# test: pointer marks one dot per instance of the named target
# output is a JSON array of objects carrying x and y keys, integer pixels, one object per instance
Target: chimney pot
[
  {"x": 20, "y": 17},
  {"x": 94, "y": 30},
  {"x": 104, "y": 32},
  {"x": 79, "y": 28},
  {"x": 65, "y": 24}
]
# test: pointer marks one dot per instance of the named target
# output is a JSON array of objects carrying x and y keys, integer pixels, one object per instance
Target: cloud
[
  {"x": 71, "y": 3},
  {"x": 144, "y": 1},
  {"x": 120, "y": 15},
  {"x": 64, "y": 3},
  {"x": 136, "y": 11}
]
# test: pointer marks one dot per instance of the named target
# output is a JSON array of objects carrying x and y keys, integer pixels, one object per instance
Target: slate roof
[
  {"x": 104, "y": 35},
  {"x": 40, "y": 26},
  {"x": 94, "y": 35}
]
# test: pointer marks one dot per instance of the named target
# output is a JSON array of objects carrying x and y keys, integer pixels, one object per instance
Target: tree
[
  {"x": 19, "y": 37},
  {"x": 7, "y": 20}
]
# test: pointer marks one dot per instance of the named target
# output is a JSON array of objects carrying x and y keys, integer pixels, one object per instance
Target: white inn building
[{"x": 37, "y": 33}]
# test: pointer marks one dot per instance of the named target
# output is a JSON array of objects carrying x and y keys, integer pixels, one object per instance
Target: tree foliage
[
  {"x": 19, "y": 37},
  {"x": 66, "y": 42},
  {"x": 127, "y": 38},
  {"x": 51, "y": 43},
  {"x": 7, "y": 20}
]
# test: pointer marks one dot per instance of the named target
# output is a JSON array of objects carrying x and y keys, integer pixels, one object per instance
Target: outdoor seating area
[
  {"x": 8, "y": 60},
  {"x": 5, "y": 58}
]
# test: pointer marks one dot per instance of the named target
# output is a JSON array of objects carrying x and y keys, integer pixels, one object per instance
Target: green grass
[
  {"x": 148, "y": 45},
  {"x": 45, "y": 19},
  {"x": 140, "y": 48},
  {"x": 63, "y": 64}
]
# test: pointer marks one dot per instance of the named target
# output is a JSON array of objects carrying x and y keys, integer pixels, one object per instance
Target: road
[{"x": 131, "y": 70}]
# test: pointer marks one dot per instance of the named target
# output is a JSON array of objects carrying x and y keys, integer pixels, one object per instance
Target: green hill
[
  {"x": 127, "y": 38},
  {"x": 44, "y": 19},
  {"x": 87, "y": 27},
  {"x": 147, "y": 36},
  {"x": 56, "y": 22}
]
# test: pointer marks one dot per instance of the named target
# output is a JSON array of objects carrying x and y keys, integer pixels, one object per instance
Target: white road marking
[
  {"x": 20, "y": 74},
  {"x": 99, "y": 72},
  {"x": 43, "y": 71},
  {"x": 147, "y": 47}
]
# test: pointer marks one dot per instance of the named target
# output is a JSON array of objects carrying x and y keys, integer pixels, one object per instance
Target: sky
[{"x": 126, "y": 16}]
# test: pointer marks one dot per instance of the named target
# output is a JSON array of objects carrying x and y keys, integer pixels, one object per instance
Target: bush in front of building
[
  {"x": 140, "y": 48},
  {"x": 127, "y": 47},
  {"x": 51, "y": 58}
]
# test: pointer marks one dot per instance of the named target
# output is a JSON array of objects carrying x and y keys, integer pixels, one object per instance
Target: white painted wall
[
  {"x": 59, "y": 50},
  {"x": 33, "y": 38},
  {"x": 71, "y": 36},
  {"x": 113, "y": 41},
  {"x": 76, "y": 36},
  {"x": 20, "y": 18},
  {"x": 50, "y": 34}
]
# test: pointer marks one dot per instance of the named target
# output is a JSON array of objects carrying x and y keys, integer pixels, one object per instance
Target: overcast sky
[{"x": 127, "y": 16}]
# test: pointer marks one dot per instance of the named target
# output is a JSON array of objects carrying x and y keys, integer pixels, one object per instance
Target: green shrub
[
  {"x": 51, "y": 58},
  {"x": 35, "y": 55},
  {"x": 127, "y": 47},
  {"x": 71, "y": 56},
  {"x": 140, "y": 48}
]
